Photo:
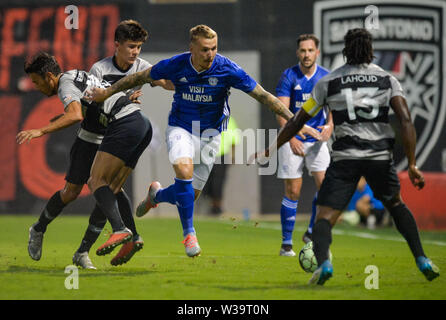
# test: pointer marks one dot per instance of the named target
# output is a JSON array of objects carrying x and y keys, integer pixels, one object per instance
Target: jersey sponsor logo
[
  {"x": 196, "y": 94},
  {"x": 409, "y": 43}
]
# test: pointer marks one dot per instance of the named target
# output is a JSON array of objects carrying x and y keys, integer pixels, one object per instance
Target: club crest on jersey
[
  {"x": 213, "y": 81},
  {"x": 409, "y": 43}
]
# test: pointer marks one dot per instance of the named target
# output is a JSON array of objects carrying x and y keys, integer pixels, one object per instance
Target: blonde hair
[{"x": 201, "y": 31}]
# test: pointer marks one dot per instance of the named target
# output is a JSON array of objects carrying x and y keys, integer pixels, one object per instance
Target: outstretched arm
[
  {"x": 72, "y": 115},
  {"x": 128, "y": 82},
  {"x": 409, "y": 136},
  {"x": 308, "y": 110},
  {"x": 273, "y": 103},
  {"x": 163, "y": 83}
]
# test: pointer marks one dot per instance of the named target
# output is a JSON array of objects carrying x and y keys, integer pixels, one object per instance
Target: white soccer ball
[{"x": 307, "y": 259}]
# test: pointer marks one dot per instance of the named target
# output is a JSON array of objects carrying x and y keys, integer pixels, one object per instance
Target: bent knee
[
  {"x": 393, "y": 202},
  {"x": 70, "y": 193}
]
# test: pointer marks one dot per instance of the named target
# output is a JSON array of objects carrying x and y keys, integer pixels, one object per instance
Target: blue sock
[
  {"x": 313, "y": 215},
  {"x": 288, "y": 218},
  {"x": 166, "y": 195},
  {"x": 185, "y": 196}
]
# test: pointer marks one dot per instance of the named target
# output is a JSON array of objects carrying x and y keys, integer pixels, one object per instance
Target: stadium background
[{"x": 259, "y": 34}]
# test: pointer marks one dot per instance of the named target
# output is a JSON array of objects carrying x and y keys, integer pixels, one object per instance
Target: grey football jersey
[
  {"x": 359, "y": 98},
  {"x": 72, "y": 87}
]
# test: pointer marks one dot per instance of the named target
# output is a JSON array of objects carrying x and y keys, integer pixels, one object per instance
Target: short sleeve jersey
[
  {"x": 297, "y": 86},
  {"x": 201, "y": 96}
]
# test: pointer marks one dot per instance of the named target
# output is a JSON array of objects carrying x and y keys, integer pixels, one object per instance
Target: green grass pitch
[{"x": 239, "y": 261}]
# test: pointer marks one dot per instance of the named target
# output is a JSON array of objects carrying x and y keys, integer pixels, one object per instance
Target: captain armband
[{"x": 311, "y": 107}]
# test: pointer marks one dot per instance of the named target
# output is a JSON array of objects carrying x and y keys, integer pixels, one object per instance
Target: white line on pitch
[{"x": 364, "y": 235}]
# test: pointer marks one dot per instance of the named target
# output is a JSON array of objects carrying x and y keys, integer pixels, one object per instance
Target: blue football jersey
[
  {"x": 295, "y": 85},
  {"x": 201, "y": 96}
]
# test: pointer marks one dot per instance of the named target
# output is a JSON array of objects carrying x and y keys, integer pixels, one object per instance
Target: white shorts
[
  {"x": 183, "y": 144},
  {"x": 317, "y": 158}
]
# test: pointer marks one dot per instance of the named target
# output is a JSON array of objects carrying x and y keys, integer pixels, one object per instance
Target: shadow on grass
[
  {"x": 60, "y": 272},
  {"x": 285, "y": 286}
]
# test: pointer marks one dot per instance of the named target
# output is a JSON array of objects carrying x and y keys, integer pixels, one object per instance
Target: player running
[
  {"x": 202, "y": 80},
  {"x": 360, "y": 95},
  {"x": 126, "y": 136},
  {"x": 293, "y": 90}
]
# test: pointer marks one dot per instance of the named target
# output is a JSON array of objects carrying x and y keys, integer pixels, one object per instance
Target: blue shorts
[
  {"x": 127, "y": 138},
  {"x": 81, "y": 159}
]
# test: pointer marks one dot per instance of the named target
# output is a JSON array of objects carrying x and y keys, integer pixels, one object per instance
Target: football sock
[
  {"x": 185, "y": 195},
  {"x": 125, "y": 209},
  {"x": 321, "y": 240},
  {"x": 96, "y": 223},
  {"x": 406, "y": 225},
  {"x": 166, "y": 195},
  {"x": 109, "y": 206},
  {"x": 52, "y": 209},
  {"x": 287, "y": 219},
  {"x": 313, "y": 214}
]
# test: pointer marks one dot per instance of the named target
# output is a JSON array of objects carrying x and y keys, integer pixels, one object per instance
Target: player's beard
[{"x": 309, "y": 64}]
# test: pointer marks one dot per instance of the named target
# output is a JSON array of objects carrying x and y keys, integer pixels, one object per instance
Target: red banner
[{"x": 36, "y": 170}]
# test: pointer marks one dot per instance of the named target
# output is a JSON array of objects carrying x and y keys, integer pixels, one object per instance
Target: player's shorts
[
  {"x": 183, "y": 144},
  {"x": 342, "y": 177},
  {"x": 81, "y": 159},
  {"x": 317, "y": 158},
  {"x": 126, "y": 138}
]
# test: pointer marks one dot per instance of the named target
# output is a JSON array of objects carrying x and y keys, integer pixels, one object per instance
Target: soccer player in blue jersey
[
  {"x": 293, "y": 90},
  {"x": 200, "y": 111}
]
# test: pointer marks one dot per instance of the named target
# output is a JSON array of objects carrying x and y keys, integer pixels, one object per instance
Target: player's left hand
[
  {"x": 309, "y": 131},
  {"x": 416, "y": 177},
  {"x": 96, "y": 94},
  {"x": 326, "y": 132},
  {"x": 135, "y": 95},
  {"x": 27, "y": 135}
]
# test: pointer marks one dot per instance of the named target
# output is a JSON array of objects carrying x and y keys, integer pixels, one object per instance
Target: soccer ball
[{"x": 307, "y": 259}]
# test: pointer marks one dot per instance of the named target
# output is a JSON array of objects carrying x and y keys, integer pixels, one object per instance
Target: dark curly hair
[
  {"x": 42, "y": 63},
  {"x": 130, "y": 30},
  {"x": 358, "y": 46}
]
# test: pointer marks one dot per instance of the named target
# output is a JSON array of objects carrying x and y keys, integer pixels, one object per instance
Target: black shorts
[
  {"x": 342, "y": 177},
  {"x": 127, "y": 138},
  {"x": 81, "y": 159}
]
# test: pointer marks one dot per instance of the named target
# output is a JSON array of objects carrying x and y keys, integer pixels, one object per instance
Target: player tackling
[{"x": 202, "y": 80}]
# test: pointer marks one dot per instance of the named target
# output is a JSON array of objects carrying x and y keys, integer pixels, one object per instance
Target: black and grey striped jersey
[
  {"x": 359, "y": 99},
  {"x": 107, "y": 69},
  {"x": 74, "y": 84}
]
